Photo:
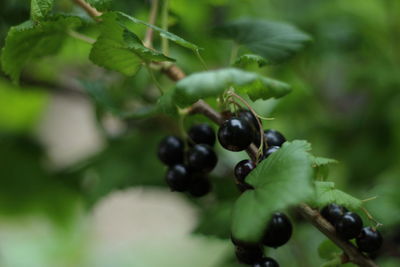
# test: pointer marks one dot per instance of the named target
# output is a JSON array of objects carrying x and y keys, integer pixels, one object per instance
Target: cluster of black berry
[
  {"x": 237, "y": 134},
  {"x": 278, "y": 232},
  {"x": 349, "y": 225},
  {"x": 187, "y": 171}
]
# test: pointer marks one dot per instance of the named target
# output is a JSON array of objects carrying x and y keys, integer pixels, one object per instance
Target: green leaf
[
  {"x": 275, "y": 41},
  {"x": 100, "y": 5},
  {"x": 119, "y": 49},
  {"x": 20, "y": 109},
  {"x": 166, "y": 104},
  {"x": 124, "y": 18},
  {"x": 282, "y": 180},
  {"x": 328, "y": 250},
  {"x": 40, "y": 8},
  {"x": 214, "y": 83},
  {"x": 327, "y": 193},
  {"x": 29, "y": 41},
  {"x": 249, "y": 59}
]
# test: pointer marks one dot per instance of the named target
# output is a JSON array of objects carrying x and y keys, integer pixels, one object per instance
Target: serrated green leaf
[
  {"x": 40, "y": 8},
  {"x": 214, "y": 83},
  {"x": 119, "y": 49},
  {"x": 326, "y": 193},
  {"x": 124, "y": 18},
  {"x": 28, "y": 41},
  {"x": 328, "y": 250},
  {"x": 275, "y": 41},
  {"x": 282, "y": 180},
  {"x": 249, "y": 59},
  {"x": 100, "y": 5}
]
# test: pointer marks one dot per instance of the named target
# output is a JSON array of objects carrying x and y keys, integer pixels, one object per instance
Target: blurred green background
[{"x": 80, "y": 187}]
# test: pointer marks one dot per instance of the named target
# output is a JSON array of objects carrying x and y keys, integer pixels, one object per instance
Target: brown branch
[
  {"x": 148, "y": 39},
  {"x": 91, "y": 11},
  {"x": 352, "y": 254}
]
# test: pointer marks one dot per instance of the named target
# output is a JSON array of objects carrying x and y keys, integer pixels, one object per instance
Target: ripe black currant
[
  {"x": 266, "y": 262},
  {"x": 235, "y": 134},
  {"x": 242, "y": 169},
  {"x": 349, "y": 225},
  {"x": 274, "y": 138},
  {"x": 333, "y": 212},
  {"x": 199, "y": 187},
  {"x": 248, "y": 116},
  {"x": 269, "y": 151},
  {"x": 201, "y": 134},
  {"x": 279, "y": 231},
  {"x": 202, "y": 158},
  {"x": 170, "y": 150},
  {"x": 249, "y": 255},
  {"x": 370, "y": 240},
  {"x": 178, "y": 178}
]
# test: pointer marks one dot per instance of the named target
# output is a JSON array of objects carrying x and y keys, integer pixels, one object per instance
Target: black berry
[
  {"x": 242, "y": 169},
  {"x": 269, "y": 151},
  {"x": 349, "y": 226},
  {"x": 201, "y": 134},
  {"x": 178, "y": 178},
  {"x": 244, "y": 244},
  {"x": 274, "y": 138},
  {"x": 370, "y": 240},
  {"x": 170, "y": 150},
  {"x": 202, "y": 158},
  {"x": 266, "y": 262},
  {"x": 279, "y": 231},
  {"x": 248, "y": 116},
  {"x": 200, "y": 186},
  {"x": 333, "y": 212},
  {"x": 249, "y": 255},
  {"x": 235, "y": 134}
]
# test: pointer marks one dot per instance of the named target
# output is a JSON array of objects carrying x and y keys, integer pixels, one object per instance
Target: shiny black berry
[
  {"x": 370, "y": 240},
  {"x": 242, "y": 169},
  {"x": 201, "y": 134},
  {"x": 178, "y": 178},
  {"x": 199, "y": 187},
  {"x": 235, "y": 134},
  {"x": 249, "y": 255},
  {"x": 248, "y": 116},
  {"x": 274, "y": 138},
  {"x": 279, "y": 231},
  {"x": 269, "y": 151},
  {"x": 170, "y": 150},
  {"x": 266, "y": 262},
  {"x": 333, "y": 212},
  {"x": 349, "y": 226},
  {"x": 201, "y": 158}
]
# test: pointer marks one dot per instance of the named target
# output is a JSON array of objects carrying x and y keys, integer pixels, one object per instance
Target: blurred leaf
[
  {"x": 100, "y": 5},
  {"x": 40, "y": 8},
  {"x": 20, "y": 110},
  {"x": 29, "y": 41},
  {"x": 166, "y": 104},
  {"x": 170, "y": 36},
  {"x": 214, "y": 83},
  {"x": 215, "y": 221},
  {"x": 328, "y": 250},
  {"x": 320, "y": 161},
  {"x": 249, "y": 59},
  {"x": 282, "y": 180},
  {"x": 275, "y": 41},
  {"x": 326, "y": 193}
]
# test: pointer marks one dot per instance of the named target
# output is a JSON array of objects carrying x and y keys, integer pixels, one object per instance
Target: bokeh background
[{"x": 80, "y": 187}]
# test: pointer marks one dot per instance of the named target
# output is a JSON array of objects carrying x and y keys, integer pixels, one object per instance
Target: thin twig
[
  {"x": 91, "y": 11},
  {"x": 148, "y": 39},
  {"x": 164, "y": 26},
  {"x": 81, "y": 37}
]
